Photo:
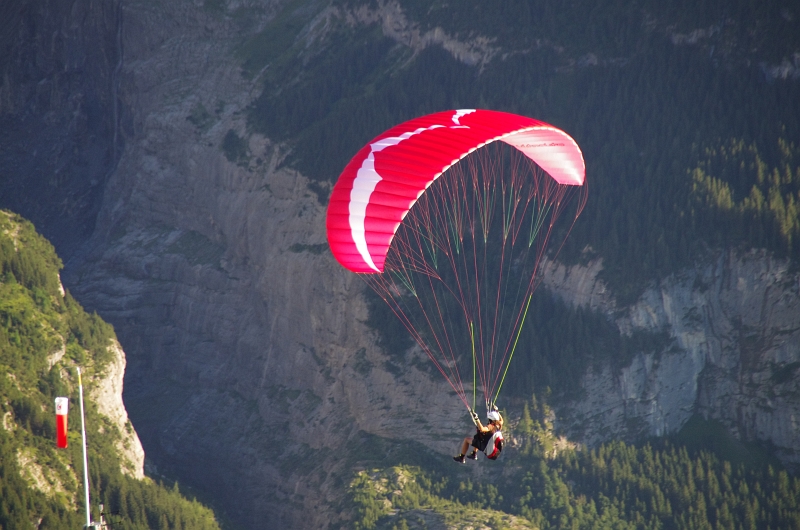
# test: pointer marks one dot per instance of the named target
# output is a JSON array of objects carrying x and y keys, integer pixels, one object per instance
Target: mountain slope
[
  {"x": 613, "y": 486},
  {"x": 209, "y": 256},
  {"x": 45, "y": 335}
]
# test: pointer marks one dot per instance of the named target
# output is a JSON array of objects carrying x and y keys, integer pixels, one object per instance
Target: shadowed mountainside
[{"x": 209, "y": 257}]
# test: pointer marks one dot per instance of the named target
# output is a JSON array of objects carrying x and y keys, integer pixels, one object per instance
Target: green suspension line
[
  {"x": 474, "y": 377},
  {"x": 516, "y": 340},
  {"x": 406, "y": 282},
  {"x": 537, "y": 221}
]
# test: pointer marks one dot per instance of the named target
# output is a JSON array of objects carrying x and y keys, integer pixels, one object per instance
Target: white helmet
[{"x": 493, "y": 415}]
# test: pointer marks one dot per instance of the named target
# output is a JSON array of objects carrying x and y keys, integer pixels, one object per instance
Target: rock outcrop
[
  {"x": 106, "y": 391},
  {"x": 735, "y": 355}
]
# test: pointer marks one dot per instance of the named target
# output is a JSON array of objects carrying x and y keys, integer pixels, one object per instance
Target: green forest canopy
[{"x": 668, "y": 483}]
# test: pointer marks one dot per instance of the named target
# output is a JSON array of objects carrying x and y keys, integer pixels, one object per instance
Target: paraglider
[
  {"x": 447, "y": 217},
  {"x": 488, "y": 438}
]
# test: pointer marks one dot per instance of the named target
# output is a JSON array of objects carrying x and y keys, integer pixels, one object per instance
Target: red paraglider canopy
[{"x": 387, "y": 176}]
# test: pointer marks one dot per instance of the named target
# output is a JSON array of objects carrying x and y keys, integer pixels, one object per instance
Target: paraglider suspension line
[{"x": 514, "y": 348}]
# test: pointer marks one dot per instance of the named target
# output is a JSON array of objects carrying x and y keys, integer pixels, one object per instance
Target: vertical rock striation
[{"x": 242, "y": 331}]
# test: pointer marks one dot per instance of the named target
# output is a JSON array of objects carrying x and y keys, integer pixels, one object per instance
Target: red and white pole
[{"x": 62, "y": 412}]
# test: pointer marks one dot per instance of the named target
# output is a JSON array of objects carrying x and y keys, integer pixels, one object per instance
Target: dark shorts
[{"x": 480, "y": 440}]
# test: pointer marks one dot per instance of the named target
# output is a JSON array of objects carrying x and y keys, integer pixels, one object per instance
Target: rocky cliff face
[
  {"x": 251, "y": 373},
  {"x": 106, "y": 391},
  {"x": 735, "y": 355},
  {"x": 59, "y": 113},
  {"x": 243, "y": 380}
]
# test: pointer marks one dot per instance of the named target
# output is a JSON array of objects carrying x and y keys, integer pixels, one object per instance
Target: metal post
[{"x": 85, "y": 459}]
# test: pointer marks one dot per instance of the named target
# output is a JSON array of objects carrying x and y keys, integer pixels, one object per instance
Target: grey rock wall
[
  {"x": 735, "y": 356},
  {"x": 251, "y": 374}
]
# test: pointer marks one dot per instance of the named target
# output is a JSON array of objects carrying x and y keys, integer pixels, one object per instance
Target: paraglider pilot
[{"x": 488, "y": 439}]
